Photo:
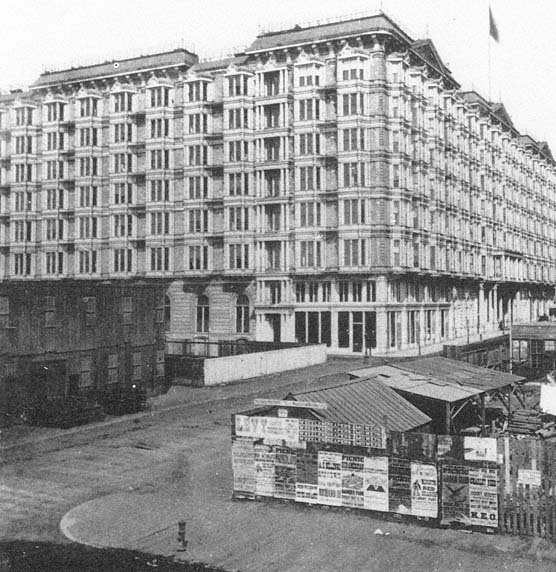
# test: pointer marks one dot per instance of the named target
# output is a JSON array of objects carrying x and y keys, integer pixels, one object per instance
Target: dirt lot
[{"x": 138, "y": 483}]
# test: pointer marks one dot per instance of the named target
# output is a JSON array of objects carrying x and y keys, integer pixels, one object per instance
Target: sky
[{"x": 54, "y": 34}]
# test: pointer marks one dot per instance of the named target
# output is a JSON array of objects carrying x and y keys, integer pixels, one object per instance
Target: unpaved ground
[{"x": 164, "y": 468}]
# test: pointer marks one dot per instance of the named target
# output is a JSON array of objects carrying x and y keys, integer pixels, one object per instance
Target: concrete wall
[{"x": 234, "y": 368}]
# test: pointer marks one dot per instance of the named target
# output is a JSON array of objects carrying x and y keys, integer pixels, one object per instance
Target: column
[{"x": 381, "y": 315}]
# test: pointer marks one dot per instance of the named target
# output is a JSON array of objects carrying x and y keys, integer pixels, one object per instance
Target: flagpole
[
  {"x": 489, "y": 59},
  {"x": 489, "y": 70}
]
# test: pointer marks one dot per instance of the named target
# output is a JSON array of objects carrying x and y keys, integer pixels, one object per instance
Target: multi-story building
[{"x": 330, "y": 184}]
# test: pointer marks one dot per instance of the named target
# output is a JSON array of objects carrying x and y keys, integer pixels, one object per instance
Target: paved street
[{"x": 129, "y": 489}]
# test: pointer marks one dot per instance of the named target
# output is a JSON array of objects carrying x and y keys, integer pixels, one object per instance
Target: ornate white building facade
[{"x": 331, "y": 184}]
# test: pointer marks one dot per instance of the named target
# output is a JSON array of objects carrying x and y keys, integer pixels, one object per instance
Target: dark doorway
[
  {"x": 357, "y": 331},
  {"x": 73, "y": 384},
  {"x": 370, "y": 330},
  {"x": 48, "y": 379},
  {"x": 313, "y": 337}
]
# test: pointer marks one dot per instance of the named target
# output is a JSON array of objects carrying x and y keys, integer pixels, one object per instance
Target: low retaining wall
[{"x": 245, "y": 366}]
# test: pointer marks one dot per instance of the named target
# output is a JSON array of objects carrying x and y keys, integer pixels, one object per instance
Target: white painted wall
[{"x": 234, "y": 368}]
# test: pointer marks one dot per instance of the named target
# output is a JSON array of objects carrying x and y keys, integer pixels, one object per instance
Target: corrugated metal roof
[
  {"x": 299, "y": 35},
  {"x": 439, "y": 378},
  {"x": 368, "y": 402},
  {"x": 125, "y": 66},
  {"x": 460, "y": 372}
]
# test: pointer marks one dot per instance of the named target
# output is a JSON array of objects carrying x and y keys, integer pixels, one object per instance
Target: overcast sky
[{"x": 46, "y": 34}]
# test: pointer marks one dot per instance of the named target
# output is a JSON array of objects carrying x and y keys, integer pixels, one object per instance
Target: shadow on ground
[{"x": 24, "y": 556}]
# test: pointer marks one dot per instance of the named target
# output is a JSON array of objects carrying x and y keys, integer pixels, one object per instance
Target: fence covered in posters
[{"x": 506, "y": 484}]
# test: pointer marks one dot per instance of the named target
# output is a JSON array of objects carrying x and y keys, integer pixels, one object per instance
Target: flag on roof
[{"x": 492, "y": 26}]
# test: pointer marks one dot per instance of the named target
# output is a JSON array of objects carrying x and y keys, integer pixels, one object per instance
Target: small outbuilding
[{"x": 449, "y": 391}]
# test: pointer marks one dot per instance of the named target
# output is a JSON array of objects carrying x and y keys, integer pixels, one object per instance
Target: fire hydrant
[{"x": 181, "y": 536}]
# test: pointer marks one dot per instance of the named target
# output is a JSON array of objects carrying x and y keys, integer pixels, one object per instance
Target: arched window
[
  {"x": 167, "y": 312},
  {"x": 242, "y": 314},
  {"x": 203, "y": 314}
]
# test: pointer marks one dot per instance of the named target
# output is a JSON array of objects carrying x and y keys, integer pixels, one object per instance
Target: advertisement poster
[
  {"x": 483, "y": 496},
  {"x": 275, "y": 429},
  {"x": 424, "y": 490},
  {"x": 375, "y": 483},
  {"x": 529, "y": 477},
  {"x": 399, "y": 485},
  {"x": 306, "y": 488},
  {"x": 330, "y": 478},
  {"x": 285, "y": 472},
  {"x": 352, "y": 481},
  {"x": 265, "y": 460},
  {"x": 243, "y": 464},
  {"x": 480, "y": 449},
  {"x": 311, "y": 431},
  {"x": 455, "y": 494}
]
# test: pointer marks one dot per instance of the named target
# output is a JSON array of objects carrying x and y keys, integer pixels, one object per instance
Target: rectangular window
[
  {"x": 136, "y": 359},
  {"x": 198, "y": 257},
  {"x": 159, "y": 369},
  {"x": 85, "y": 379},
  {"x": 112, "y": 369}
]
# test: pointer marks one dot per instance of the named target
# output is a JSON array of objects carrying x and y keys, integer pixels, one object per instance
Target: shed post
[
  {"x": 448, "y": 419},
  {"x": 482, "y": 414}
]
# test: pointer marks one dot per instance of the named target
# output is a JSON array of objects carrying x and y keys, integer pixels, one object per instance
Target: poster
[
  {"x": 455, "y": 494},
  {"x": 285, "y": 472},
  {"x": 399, "y": 485},
  {"x": 414, "y": 446},
  {"x": 450, "y": 447},
  {"x": 483, "y": 496},
  {"x": 529, "y": 477},
  {"x": 330, "y": 478},
  {"x": 265, "y": 460},
  {"x": 548, "y": 398},
  {"x": 424, "y": 490},
  {"x": 243, "y": 464},
  {"x": 352, "y": 481},
  {"x": 306, "y": 487},
  {"x": 274, "y": 429},
  {"x": 375, "y": 483},
  {"x": 311, "y": 431},
  {"x": 480, "y": 449}
]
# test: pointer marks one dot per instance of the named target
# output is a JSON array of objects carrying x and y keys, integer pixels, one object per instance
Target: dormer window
[
  {"x": 352, "y": 68},
  {"x": 308, "y": 75}
]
